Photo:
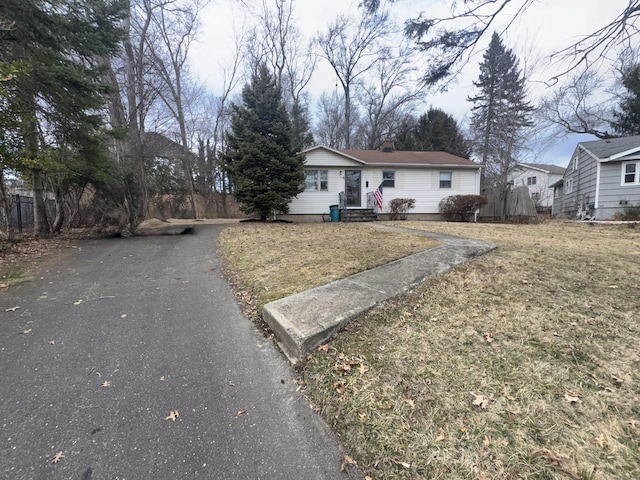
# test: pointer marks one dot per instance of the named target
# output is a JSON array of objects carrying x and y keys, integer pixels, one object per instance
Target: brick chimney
[{"x": 387, "y": 145}]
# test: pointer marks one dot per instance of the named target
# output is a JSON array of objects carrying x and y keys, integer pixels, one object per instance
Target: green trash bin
[{"x": 335, "y": 213}]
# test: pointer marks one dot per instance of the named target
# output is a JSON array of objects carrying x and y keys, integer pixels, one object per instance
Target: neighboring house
[
  {"x": 602, "y": 178},
  {"x": 538, "y": 178},
  {"x": 349, "y": 178}
]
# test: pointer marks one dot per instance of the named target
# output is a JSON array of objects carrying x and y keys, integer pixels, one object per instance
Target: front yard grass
[{"x": 522, "y": 364}]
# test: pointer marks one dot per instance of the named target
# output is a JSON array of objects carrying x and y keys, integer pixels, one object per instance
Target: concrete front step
[{"x": 358, "y": 215}]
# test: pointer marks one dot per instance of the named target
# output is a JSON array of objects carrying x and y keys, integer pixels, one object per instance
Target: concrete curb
[{"x": 305, "y": 320}]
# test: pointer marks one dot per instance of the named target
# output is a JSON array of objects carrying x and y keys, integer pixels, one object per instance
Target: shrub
[
  {"x": 399, "y": 207},
  {"x": 460, "y": 208},
  {"x": 629, "y": 214}
]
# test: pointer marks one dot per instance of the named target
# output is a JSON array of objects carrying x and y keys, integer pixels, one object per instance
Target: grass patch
[
  {"x": 542, "y": 335},
  {"x": 271, "y": 261},
  {"x": 522, "y": 364}
]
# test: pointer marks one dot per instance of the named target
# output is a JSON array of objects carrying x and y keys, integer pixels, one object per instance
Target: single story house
[
  {"x": 538, "y": 178},
  {"x": 350, "y": 178},
  {"x": 602, "y": 178}
]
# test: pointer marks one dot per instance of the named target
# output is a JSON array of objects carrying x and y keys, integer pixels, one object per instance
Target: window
[
  {"x": 631, "y": 173},
  {"x": 445, "y": 179},
  {"x": 568, "y": 185},
  {"x": 316, "y": 180},
  {"x": 531, "y": 180},
  {"x": 575, "y": 163},
  {"x": 389, "y": 179}
]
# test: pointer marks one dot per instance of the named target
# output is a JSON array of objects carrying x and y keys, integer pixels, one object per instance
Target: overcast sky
[{"x": 547, "y": 26}]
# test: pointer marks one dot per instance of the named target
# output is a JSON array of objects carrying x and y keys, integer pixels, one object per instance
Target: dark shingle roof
[
  {"x": 398, "y": 157},
  {"x": 604, "y": 149}
]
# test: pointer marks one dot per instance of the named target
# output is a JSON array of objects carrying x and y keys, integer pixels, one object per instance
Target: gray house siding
[
  {"x": 598, "y": 183},
  {"x": 614, "y": 196},
  {"x": 579, "y": 185}
]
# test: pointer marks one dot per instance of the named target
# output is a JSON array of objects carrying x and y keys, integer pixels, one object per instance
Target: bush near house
[
  {"x": 399, "y": 207},
  {"x": 460, "y": 208},
  {"x": 629, "y": 214}
]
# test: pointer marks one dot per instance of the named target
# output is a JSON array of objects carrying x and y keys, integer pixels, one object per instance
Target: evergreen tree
[
  {"x": 434, "y": 131},
  {"x": 263, "y": 165},
  {"x": 628, "y": 117},
  {"x": 56, "y": 96},
  {"x": 500, "y": 112}
]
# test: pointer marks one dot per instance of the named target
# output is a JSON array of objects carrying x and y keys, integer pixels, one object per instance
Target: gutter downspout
[
  {"x": 477, "y": 212},
  {"x": 597, "y": 200}
]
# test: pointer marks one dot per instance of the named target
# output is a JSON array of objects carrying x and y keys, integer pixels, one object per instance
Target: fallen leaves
[
  {"x": 12, "y": 309},
  {"x": 52, "y": 342},
  {"x": 27, "y": 331},
  {"x": 488, "y": 337},
  {"x": 57, "y": 457},
  {"x": 480, "y": 400},
  {"x": 78, "y": 302},
  {"x": 106, "y": 383},
  {"x": 240, "y": 413},
  {"x": 573, "y": 397},
  {"x": 173, "y": 415},
  {"x": 347, "y": 460}
]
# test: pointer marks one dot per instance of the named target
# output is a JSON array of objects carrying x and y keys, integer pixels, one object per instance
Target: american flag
[{"x": 378, "y": 195}]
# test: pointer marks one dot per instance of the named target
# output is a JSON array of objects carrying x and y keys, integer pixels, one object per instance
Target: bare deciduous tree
[
  {"x": 389, "y": 98},
  {"x": 580, "y": 106},
  {"x": 330, "y": 128},
  {"x": 353, "y": 48},
  {"x": 452, "y": 40}
]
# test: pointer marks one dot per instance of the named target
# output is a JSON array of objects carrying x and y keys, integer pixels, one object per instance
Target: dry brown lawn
[
  {"x": 271, "y": 261},
  {"x": 522, "y": 364}
]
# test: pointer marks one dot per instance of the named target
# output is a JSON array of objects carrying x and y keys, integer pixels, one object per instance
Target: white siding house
[
  {"x": 349, "y": 178},
  {"x": 538, "y": 178},
  {"x": 602, "y": 178}
]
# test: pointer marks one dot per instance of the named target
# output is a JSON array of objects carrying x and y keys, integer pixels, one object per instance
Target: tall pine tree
[
  {"x": 56, "y": 97},
  {"x": 500, "y": 112},
  {"x": 264, "y": 167},
  {"x": 627, "y": 119}
]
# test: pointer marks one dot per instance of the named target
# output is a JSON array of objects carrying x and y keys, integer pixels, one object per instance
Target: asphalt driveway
[{"x": 131, "y": 357}]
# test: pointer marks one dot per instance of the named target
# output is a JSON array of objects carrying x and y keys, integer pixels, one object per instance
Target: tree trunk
[
  {"x": 60, "y": 214},
  {"x": 40, "y": 220},
  {"x": 5, "y": 209}
]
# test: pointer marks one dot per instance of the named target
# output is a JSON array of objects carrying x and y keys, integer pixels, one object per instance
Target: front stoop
[{"x": 358, "y": 215}]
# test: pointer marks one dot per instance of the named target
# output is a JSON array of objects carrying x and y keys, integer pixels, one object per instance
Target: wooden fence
[{"x": 22, "y": 211}]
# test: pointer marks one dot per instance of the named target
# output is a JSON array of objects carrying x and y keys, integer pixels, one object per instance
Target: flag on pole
[{"x": 378, "y": 195}]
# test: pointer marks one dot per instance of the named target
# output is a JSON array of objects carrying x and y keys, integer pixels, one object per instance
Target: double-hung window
[
  {"x": 568, "y": 185},
  {"x": 389, "y": 179},
  {"x": 531, "y": 180},
  {"x": 631, "y": 173},
  {"x": 316, "y": 180},
  {"x": 445, "y": 179}
]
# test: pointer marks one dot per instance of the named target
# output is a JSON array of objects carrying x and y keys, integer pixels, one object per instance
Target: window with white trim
[
  {"x": 445, "y": 179},
  {"x": 531, "y": 180},
  {"x": 568, "y": 185},
  {"x": 389, "y": 179},
  {"x": 631, "y": 173},
  {"x": 316, "y": 180}
]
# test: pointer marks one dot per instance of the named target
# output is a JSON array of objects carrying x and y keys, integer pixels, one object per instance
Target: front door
[{"x": 352, "y": 186}]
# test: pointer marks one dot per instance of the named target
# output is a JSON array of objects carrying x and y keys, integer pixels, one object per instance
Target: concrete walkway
[{"x": 305, "y": 320}]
